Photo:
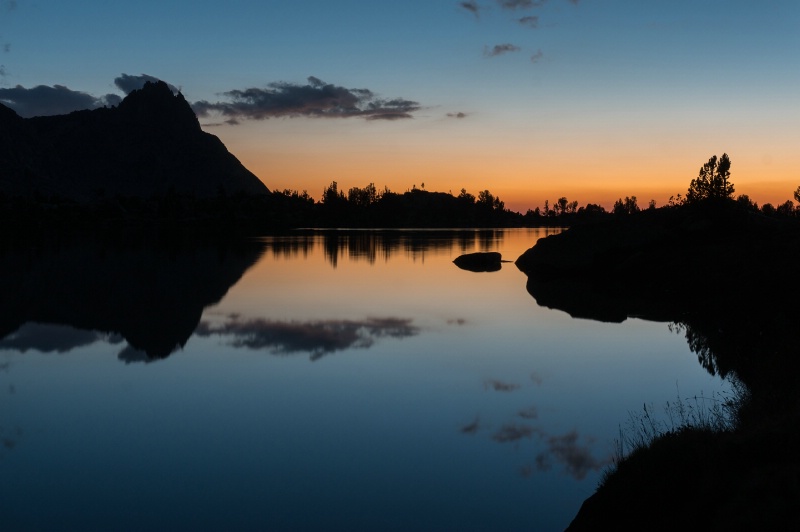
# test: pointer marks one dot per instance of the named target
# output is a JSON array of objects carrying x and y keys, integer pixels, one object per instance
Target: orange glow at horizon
[{"x": 296, "y": 154}]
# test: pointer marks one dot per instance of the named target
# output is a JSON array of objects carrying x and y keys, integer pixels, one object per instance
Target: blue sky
[{"x": 532, "y": 99}]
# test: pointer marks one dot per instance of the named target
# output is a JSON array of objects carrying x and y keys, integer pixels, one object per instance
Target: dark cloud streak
[
  {"x": 44, "y": 100},
  {"x": 521, "y": 4},
  {"x": 500, "y": 49},
  {"x": 471, "y": 6},
  {"x": 316, "y": 99}
]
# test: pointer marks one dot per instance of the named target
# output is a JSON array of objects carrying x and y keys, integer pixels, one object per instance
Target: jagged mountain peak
[
  {"x": 155, "y": 102},
  {"x": 149, "y": 144}
]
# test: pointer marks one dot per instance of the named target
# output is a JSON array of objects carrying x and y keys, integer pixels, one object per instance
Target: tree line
[{"x": 366, "y": 207}]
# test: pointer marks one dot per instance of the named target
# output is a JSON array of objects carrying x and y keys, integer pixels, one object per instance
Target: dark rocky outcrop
[
  {"x": 479, "y": 262},
  {"x": 662, "y": 264},
  {"x": 149, "y": 145},
  {"x": 726, "y": 277}
]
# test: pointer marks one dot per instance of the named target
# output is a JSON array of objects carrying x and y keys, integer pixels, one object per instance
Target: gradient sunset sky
[{"x": 531, "y": 99}]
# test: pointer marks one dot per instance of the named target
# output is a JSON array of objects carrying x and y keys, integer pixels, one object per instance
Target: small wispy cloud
[
  {"x": 471, "y": 6},
  {"x": 521, "y": 4},
  {"x": 500, "y": 49},
  {"x": 457, "y": 115},
  {"x": 536, "y": 57},
  {"x": 500, "y": 386},
  {"x": 531, "y": 21}
]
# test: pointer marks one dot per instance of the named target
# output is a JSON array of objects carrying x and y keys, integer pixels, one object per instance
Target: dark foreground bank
[{"x": 725, "y": 277}]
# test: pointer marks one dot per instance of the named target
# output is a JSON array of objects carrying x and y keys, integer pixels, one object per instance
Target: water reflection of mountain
[
  {"x": 150, "y": 292},
  {"x": 726, "y": 282},
  {"x": 371, "y": 245}
]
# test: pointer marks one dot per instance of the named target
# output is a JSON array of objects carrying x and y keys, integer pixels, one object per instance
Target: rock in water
[{"x": 479, "y": 262}]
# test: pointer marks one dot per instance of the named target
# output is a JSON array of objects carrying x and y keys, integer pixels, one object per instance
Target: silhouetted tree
[
  {"x": 712, "y": 181},
  {"x": 331, "y": 194},
  {"x": 363, "y": 197},
  {"x": 564, "y": 206},
  {"x": 786, "y": 208},
  {"x": 487, "y": 201},
  {"x": 745, "y": 201},
  {"x": 466, "y": 198},
  {"x": 626, "y": 206}
]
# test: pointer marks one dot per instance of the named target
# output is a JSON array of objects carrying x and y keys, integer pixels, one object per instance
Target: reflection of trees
[
  {"x": 373, "y": 245},
  {"x": 318, "y": 338}
]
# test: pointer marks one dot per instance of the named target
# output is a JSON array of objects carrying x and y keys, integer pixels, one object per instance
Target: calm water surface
[{"x": 346, "y": 381}]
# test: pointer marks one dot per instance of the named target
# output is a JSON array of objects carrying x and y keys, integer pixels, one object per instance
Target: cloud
[
  {"x": 315, "y": 337},
  {"x": 530, "y": 21},
  {"x": 500, "y": 386},
  {"x": 457, "y": 115},
  {"x": 128, "y": 83},
  {"x": 10, "y": 5},
  {"x": 471, "y": 6},
  {"x": 6, "y": 47},
  {"x": 3, "y": 72},
  {"x": 521, "y": 4},
  {"x": 529, "y": 413},
  {"x": 315, "y": 99},
  {"x": 44, "y": 100},
  {"x": 500, "y": 49},
  {"x": 536, "y": 57}
]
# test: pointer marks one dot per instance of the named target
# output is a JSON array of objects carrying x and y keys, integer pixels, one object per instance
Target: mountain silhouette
[{"x": 149, "y": 145}]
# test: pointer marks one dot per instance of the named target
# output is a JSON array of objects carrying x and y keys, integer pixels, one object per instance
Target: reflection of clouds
[
  {"x": 511, "y": 432},
  {"x": 568, "y": 450},
  {"x": 456, "y": 321},
  {"x": 129, "y": 355},
  {"x": 576, "y": 457},
  {"x": 536, "y": 378},
  {"x": 49, "y": 338},
  {"x": 500, "y": 386},
  {"x": 4, "y": 365},
  {"x": 471, "y": 428},
  {"x": 316, "y": 337}
]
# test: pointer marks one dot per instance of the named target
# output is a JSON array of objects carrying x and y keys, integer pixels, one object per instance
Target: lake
[{"x": 336, "y": 380}]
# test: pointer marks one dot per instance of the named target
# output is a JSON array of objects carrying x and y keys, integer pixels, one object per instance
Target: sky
[{"x": 531, "y": 99}]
